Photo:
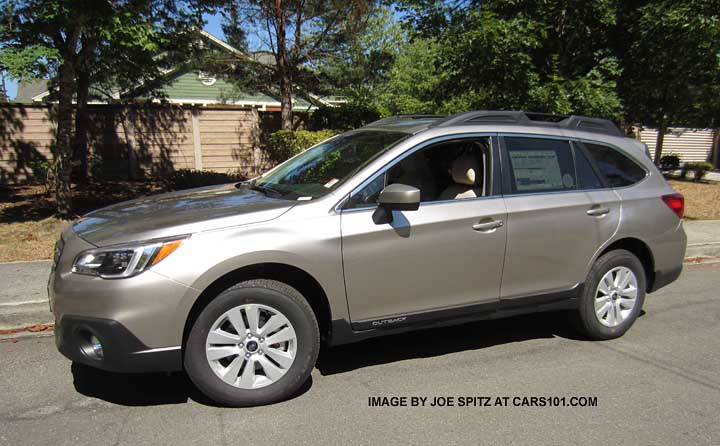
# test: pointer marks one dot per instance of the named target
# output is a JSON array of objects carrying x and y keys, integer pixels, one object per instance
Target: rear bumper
[
  {"x": 663, "y": 278},
  {"x": 121, "y": 350}
]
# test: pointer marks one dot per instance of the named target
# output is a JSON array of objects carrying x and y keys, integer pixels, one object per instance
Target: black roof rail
[
  {"x": 594, "y": 125},
  {"x": 499, "y": 117},
  {"x": 574, "y": 122},
  {"x": 394, "y": 118}
]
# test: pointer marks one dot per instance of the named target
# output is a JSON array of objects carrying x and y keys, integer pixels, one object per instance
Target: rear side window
[
  {"x": 586, "y": 176},
  {"x": 540, "y": 165},
  {"x": 618, "y": 169}
]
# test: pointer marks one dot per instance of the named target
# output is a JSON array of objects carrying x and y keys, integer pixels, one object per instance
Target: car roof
[{"x": 418, "y": 123}]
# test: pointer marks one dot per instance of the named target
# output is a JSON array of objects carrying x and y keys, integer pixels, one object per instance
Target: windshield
[{"x": 319, "y": 170}]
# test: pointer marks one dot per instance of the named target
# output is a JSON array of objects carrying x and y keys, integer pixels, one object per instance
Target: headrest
[{"x": 465, "y": 170}]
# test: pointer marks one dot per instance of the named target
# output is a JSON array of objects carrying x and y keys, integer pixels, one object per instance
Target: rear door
[{"x": 554, "y": 225}]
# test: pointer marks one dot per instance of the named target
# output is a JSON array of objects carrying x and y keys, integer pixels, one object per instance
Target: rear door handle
[
  {"x": 488, "y": 226},
  {"x": 598, "y": 212}
]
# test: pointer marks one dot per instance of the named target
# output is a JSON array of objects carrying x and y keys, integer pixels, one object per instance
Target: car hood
[{"x": 177, "y": 213}]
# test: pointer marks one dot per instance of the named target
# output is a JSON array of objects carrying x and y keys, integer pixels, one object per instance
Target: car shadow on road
[
  {"x": 441, "y": 341},
  {"x": 153, "y": 389},
  {"x": 142, "y": 389}
]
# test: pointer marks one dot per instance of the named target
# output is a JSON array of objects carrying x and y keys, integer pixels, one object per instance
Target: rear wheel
[
  {"x": 613, "y": 296},
  {"x": 256, "y": 343}
]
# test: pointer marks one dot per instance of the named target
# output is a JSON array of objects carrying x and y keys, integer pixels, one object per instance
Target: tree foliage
[
  {"x": 653, "y": 62},
  {"x": 545, "y": 56},
  {"x": 299, "y": 34},
  {"x": 671, "y": 57},
  {"x": 362, "y": 64},
  {"x": 79, "y": 43}
]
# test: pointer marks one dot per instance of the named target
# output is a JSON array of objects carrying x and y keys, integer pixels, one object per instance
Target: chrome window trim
[
  {"x": 338, "y": 206},
  {"x": 372, "y": 207}
]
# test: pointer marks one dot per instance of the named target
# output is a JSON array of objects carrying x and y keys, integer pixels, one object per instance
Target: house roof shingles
[{"x": 26, "y": 90}]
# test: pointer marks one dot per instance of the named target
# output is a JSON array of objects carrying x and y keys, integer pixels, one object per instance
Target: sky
[{"x": 212, "y": 26}]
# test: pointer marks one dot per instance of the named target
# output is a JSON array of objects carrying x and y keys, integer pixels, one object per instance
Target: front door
[{"x": 449, "y": 253}]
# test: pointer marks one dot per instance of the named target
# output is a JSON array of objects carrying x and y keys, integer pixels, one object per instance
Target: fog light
[{"x": 96, "y": 346}]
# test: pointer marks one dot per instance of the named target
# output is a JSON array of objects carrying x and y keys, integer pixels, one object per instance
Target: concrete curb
[
  {"x": 24, "y": 314},
  {"x": 703, "y": 250},
  {"x": 24, "y": 334}
]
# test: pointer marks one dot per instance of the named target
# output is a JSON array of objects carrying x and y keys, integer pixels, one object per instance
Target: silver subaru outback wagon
[{"x": 409, "y": 222}]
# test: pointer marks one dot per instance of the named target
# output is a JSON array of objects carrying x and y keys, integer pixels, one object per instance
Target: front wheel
[
  {"x": 613, "y": 296},
  {"x": 256, "y": 343}
]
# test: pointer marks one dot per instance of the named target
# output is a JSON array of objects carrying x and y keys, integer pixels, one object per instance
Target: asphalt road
[{"x": 657, "y": 385}]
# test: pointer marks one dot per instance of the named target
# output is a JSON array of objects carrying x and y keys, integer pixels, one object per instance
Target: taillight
[{"x": 676, "y": 203}]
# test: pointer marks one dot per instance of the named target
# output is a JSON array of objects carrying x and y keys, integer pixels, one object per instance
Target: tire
[
  {"x": 258, "y": 300},
  {"x": 601, "y": 325}
]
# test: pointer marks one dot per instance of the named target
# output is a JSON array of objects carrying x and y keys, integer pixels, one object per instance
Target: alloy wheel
[
  {"x": 251, "y": 346},
  {"x": 615, "y": 296}
]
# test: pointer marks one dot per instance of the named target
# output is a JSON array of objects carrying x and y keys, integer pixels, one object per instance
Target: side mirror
[{"x": 396, "y": 197}]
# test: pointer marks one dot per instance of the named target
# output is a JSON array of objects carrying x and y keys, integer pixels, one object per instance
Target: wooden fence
[
  {"x": 691, "y": 145},
  {"x": 139, "y": 141}
]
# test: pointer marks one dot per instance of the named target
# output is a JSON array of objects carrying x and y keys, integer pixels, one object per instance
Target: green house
[{"x": 188, "y": 86}]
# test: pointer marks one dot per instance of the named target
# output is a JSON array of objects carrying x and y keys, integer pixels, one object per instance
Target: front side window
[
  {"x": 449, "y": 170},
  {"x": 540, "y": 165},
  {"x": 618, "y": 170},
  {"x": 320, "y": 170}
]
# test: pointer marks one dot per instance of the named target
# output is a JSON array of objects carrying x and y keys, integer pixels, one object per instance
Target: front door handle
[
  {"x": 597, "y": 212},
  {"x": 488, "y": 226}
]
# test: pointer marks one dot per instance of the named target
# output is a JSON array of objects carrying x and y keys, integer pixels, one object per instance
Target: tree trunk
[
  {"x": 82, "y": 122},
  {"x": 286, "y": 101},
  {"x": 63, "y": 142},
  {"x": 283, "y": 71},
  {"x": 659, "y": 143}
]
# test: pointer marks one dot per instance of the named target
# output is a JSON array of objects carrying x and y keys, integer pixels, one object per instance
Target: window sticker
[
  {"x": 330, "y": 183},
  {"x": 536, "y": 170},
  {"x": 304, "y": 198}
]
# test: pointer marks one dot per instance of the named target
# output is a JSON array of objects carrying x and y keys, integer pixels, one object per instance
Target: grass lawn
[
  {"x": 702, "y": 200},
  {"x": 28, "y": 229},
  {"x": 29, "y": 240}
]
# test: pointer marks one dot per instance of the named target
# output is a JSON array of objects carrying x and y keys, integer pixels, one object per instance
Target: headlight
[{"x": 118, "y": 262}]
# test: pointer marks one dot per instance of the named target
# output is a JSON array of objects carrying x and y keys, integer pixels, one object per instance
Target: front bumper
[
  {"x": 121, "y": 350},
  {"x": 139, "y": 320}
]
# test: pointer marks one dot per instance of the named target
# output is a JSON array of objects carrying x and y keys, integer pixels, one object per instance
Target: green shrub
[
  {"x": 699, "y": 170},
  {"x": 670, "y": 162},
  {"x": 684, "y": 170},
  {"x": 43, "y": 172},
  {"x": 189, "y": 178},
  {"x": 284, "y": 144},
  {"x": 343, "y": 117},
  {"x": 40, "y": 169}
]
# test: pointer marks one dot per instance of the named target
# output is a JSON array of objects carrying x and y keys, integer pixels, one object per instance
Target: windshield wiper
[{"x": 269, "y": 191}]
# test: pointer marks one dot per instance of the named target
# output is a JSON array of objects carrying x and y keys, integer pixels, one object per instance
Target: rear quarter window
[{"x": 617, "y": 169}]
